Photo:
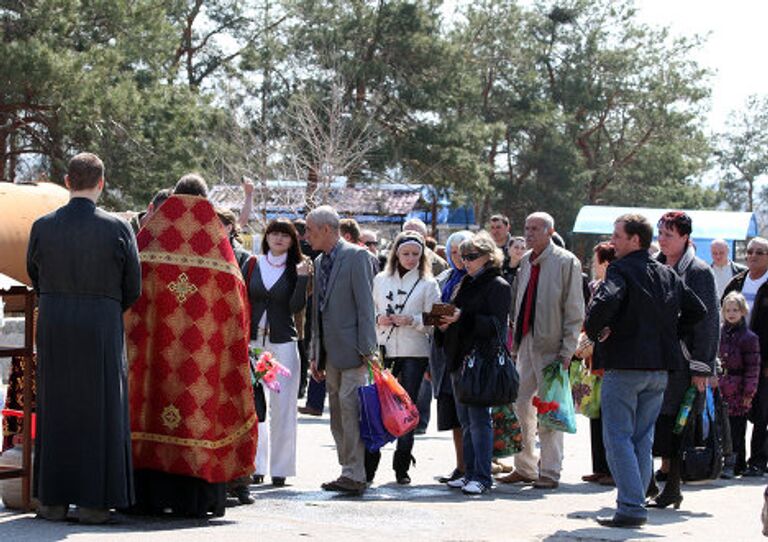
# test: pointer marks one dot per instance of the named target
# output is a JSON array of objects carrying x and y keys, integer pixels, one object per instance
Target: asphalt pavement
[{"x": 426, "y": 510}]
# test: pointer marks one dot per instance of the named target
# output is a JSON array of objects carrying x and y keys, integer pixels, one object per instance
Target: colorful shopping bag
[
  {"x": 554, "y": 403},
  {"x": 507, "y": 435},
  {"x": 585, "y": 387}
]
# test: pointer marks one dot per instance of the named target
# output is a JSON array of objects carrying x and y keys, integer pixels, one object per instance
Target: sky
[{"x": 734, "y": 49}]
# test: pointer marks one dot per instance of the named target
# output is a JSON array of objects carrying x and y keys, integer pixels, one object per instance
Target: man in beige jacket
[{"x": 548, "y": 311}]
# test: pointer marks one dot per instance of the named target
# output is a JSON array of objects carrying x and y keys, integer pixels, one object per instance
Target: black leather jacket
[{"x": 647, "y": 307}]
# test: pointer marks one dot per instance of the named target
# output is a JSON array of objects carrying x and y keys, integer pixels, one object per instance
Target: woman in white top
[
  {"x": 277, "y": 289},
  {"x": 402, "y": 293}
]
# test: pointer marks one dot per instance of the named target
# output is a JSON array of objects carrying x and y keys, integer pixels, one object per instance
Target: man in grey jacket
[
  {"x": 548, "y": 310},
  {"x": 343, "y": 338}
]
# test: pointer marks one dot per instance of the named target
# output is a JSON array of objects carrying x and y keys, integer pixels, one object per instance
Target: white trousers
[
  {"x": 276, "y": 453},
  {"x": 530, "y": 365}
]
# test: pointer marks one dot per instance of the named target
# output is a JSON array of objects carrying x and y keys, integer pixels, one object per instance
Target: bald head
[{"x": 719, "y": 249}]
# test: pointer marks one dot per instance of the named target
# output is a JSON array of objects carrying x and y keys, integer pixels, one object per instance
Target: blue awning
[
  {"x": 707, "y": 225},
  {"x": 728, "y": 225}
]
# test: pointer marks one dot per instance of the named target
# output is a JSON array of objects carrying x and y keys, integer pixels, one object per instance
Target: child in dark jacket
[{"x": 740, "y": 357}]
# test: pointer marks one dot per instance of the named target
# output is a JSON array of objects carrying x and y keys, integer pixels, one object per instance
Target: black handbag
[
  {"x": 488, "y": 376},
  {"x": 260, "y": 401},
  {"x": 702, "y": 457}
]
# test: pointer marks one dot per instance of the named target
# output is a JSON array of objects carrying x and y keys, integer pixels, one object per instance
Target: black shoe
[
  {"x": 401, "y": 462},
  {"x": 728, "y": 473},
  {"x": 664, "y": 500},
  {"x": 258, "y": 479},
  {"x": 661, "y": 476},
  {"x": 455, "y": 475},
  {"x": 243, "y": 495},
  {"x": 753, "y": 471},
  {"x": 622, "y": 522},
  {"x": 402, "y": 478},
  {"x": 278, "y": 481}
]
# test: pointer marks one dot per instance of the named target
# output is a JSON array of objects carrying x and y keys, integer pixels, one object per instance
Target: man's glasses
[
  {"x": 471, "y": 257},
  {"x": 756, "y": 252},
  {"x": 371, "y": 243}
]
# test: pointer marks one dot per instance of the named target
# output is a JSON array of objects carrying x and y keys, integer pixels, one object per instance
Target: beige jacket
[{"x": 559, "y": 302}]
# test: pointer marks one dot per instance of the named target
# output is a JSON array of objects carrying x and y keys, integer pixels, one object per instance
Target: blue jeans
[
  {"x": 477, "y": 440},
  {"x": 630, "y": 404}
]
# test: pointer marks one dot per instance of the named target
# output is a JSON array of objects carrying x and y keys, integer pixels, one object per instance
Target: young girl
[{"x": 740, "y": 357}]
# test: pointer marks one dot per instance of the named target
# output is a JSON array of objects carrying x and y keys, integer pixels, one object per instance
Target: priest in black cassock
[{"x": 84, "y": 266}]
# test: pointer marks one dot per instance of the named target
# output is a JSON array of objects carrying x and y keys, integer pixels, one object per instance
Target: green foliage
[
  {"x": 742, "y": 153},
  {"x": 511, "y": 107}
]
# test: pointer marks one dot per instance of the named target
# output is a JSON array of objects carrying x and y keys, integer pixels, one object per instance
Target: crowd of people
[{"x": 176, "y": 426}]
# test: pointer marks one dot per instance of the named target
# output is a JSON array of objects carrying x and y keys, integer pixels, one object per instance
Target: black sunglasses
[
  {"x": 471, "y": 257},
  {"x": 371, "y": 243}
]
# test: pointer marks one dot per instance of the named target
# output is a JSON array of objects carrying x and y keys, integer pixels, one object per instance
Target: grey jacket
[
  {"x": 348, "y": 322},
  {"x": 559, "y": 301}
]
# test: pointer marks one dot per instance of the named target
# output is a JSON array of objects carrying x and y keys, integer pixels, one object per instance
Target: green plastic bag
[
  {"x": 507, "y": 434},
  {"x": 585, "y": 387},
  {"x": 555, "y": 401}
]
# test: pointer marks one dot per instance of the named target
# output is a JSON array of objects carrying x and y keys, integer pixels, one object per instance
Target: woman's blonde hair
[
  {"x": 739, "y": 299},
  {"x": 425, "y": 265},
  {"x": 483, "y": 243}
]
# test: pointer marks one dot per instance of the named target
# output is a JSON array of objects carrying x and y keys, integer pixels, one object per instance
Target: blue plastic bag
[
  {"x": 555, "y": 401},
  {"x": 708, "y": 413},
  {"x": 372, "y": 429}
]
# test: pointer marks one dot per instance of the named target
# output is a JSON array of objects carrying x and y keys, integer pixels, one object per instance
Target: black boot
[
  {"x": 729, "y": 470},
  {"x": 371, "y": 464},
  {"x": 653, "y": 489},
  {"x": 671, "y": 494},
  {"x": 401, "y": 462}
]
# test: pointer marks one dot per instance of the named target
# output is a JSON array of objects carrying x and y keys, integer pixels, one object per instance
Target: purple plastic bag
[{"x": 372, "y": 429}]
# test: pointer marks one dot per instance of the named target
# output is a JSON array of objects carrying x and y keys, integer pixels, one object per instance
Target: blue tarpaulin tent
[{"x": 707, "y": 225}]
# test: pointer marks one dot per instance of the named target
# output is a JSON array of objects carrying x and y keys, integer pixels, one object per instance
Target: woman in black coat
[
  {"x": 481, "y": 317},
  {"x": 701, "y": 343}
]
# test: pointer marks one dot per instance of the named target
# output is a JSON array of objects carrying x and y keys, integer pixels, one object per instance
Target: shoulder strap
[{"x": 402, "y": 307}]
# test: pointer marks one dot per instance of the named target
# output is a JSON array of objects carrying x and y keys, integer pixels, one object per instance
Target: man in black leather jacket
[{"x": 635, "y": 318}]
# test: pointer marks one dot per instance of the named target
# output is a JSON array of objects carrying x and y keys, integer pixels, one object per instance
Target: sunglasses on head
[
  {"x": 471, "y": 257},
  {"x": 757, "y": 252}
]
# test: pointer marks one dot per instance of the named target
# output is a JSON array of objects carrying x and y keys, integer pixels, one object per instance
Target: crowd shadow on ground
[{"x": 22, "y": 527}]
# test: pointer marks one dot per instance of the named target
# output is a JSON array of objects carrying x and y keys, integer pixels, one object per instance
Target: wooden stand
[{"x": 9, "y": 287}]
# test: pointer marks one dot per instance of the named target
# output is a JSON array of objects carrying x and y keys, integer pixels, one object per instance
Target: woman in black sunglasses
[{"x": 481, "y": 316}]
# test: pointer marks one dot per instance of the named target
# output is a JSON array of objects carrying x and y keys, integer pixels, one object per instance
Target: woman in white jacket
[{"x": 402, "y": 293}]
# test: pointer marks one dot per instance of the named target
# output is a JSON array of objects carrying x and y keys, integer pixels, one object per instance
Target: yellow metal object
[{"x": 20, "y": 206}]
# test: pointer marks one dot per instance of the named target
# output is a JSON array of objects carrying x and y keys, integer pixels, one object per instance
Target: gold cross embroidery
[
  {"x": 182, "y": 288},
  {"x": 171, "y": 417}
]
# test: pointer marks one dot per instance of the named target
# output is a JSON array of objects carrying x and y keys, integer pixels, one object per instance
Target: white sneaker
[
  {"x": 474, "y": 488},
  {"x": 458, "y": 483}
]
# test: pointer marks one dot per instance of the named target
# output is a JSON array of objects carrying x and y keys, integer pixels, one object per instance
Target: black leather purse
[{"x": 488, "y": 375}]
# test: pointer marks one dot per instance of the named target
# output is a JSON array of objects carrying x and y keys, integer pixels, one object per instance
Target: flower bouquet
[
  {"x": 507, "y": 435},
  {"x": 265, "y": 369}
]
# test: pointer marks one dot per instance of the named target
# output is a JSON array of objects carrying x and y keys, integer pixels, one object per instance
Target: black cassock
[{"x": 84, "y": 266}]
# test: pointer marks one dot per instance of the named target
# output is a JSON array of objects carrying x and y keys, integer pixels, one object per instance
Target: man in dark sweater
[{"x": 635, "y": 318}]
